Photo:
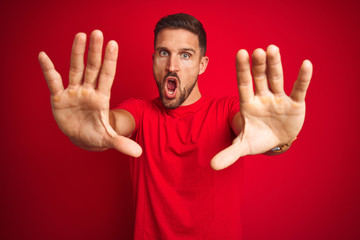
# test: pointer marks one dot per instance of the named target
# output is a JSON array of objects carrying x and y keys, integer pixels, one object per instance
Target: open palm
[
  {"x": 268, "y": 117},
  {"x": 82, "y": 109}
]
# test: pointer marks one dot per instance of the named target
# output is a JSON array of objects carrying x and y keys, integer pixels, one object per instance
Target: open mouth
[{"x": 171, "y": 84}]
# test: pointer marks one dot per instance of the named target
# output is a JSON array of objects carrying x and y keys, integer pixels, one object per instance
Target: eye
[
  {"x": 185, "y": 55},
  {"x": 163, "y": 53}
]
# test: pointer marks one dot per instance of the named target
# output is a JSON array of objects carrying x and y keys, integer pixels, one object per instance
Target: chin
[
  {"x": 173, "y": 103},
  {"x": 170, "y": 104}
]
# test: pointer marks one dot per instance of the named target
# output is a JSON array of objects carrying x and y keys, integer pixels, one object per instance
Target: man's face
[{"x": 177, "y": 62}]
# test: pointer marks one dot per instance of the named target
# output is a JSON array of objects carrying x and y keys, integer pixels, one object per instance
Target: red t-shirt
[{"x": 177, "y": 194}]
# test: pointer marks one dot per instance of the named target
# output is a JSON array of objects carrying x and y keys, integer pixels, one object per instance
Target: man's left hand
[{"x": 268, "y": 117}]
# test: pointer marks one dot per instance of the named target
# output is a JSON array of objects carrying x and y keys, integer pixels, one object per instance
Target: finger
[
  {"x": 302, "y": 83},
  {"x": 275, "y": 71},
  {"x": 77, "y": 59},
  {"x": 244, "y": 78},
  {"x": 94, "y": 58},
  {"x": 226, "y": 157},
  {"x": 108, "y": 69},
  {"x": 259, "y": 71},
  {"x": 126, "y": 146},
  {"x": 52, "y": 77}
]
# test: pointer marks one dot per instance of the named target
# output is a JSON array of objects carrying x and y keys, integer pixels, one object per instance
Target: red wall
[{"x": 50, "y": 189}]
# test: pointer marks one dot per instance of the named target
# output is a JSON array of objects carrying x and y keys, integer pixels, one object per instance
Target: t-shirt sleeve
[{"x": 134, "y": 107}]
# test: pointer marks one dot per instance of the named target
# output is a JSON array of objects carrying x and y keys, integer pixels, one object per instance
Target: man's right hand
[{"x": 82, "y": 109}]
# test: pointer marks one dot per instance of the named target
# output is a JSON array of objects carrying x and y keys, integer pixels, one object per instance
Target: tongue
[{"x": 171, "y": 85}]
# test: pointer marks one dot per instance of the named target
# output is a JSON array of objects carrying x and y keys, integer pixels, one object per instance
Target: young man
[{"x": 180, "y": 136}]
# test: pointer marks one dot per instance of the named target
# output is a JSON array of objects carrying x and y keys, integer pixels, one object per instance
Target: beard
[{"x": 182, "y": 93}]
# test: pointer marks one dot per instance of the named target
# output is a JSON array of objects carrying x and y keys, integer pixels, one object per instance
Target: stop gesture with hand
[
  {"x": 82, "y": 109},
  {"x": 268, "y": 118}
]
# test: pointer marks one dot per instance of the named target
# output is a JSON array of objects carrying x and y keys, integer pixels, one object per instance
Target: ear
[
  {"x": 203, "y": 64},
  {"x": 153, "y": 55}
]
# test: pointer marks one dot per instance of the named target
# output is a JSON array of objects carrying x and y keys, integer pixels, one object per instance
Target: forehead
[{"x": 176, "y": 39}]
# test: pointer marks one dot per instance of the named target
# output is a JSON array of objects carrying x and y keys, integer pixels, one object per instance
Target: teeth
[{"x": 172, "y": 80}]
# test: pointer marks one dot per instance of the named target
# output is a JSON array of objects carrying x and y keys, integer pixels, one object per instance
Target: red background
[{"x": 50, "y": 189}]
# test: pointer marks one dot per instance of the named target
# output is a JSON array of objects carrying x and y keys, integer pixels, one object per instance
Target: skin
[
  {"x": 267, "y": 117},
  {"x": 82, "y": 109},
  {"x": 178, "y": 52}
]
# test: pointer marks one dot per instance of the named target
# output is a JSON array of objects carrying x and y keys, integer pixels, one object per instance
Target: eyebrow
[{"x": 188, "y": 50}]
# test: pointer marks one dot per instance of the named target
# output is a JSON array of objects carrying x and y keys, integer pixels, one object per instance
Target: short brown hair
[{"x": 183, "y": 21}]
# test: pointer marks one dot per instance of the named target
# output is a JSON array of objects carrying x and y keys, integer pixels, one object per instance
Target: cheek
[
  {"x": 188, "y": 63},
  {"x": 158, "y": 61},
  {"x": 157, "y": 69},
  {"x": 190, "y": 71},
  {"x": 191, "y": 67}
]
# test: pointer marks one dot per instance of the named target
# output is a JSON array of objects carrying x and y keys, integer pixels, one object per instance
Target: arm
[
  {"x": 268, "y": 117},
  {"x": 122, "y": 122},
  {"x": 82, "y": 109}
]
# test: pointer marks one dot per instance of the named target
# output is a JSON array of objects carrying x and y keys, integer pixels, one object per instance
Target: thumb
[
  {"x": 126, "y": 146},
  {"x": 228, "y": 156}
]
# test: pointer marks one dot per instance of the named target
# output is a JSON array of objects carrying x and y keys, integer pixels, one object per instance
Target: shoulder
[
  {"x": 224, "y": 107},
  {"x": 138, "y": 103},
  {"x": 223, "y": 102}
]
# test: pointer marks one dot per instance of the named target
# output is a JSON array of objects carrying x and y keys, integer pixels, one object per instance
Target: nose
[{"x": 173, "y": 64}]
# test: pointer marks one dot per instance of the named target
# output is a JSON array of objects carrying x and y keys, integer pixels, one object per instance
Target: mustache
[{"x": 172, "y": 74}]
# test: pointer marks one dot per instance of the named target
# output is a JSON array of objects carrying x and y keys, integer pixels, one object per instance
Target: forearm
[{"x": 122, "y": 122}]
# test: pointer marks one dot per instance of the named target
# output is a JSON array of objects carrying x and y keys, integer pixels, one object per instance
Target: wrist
[
  {"x": 282, "y": 148},
  {"x": 87, "y": 147}
]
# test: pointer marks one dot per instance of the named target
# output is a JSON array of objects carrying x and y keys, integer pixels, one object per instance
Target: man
[{"x": 179, "y": 136}]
